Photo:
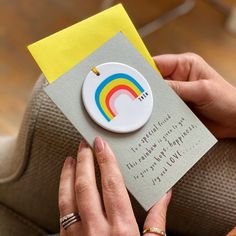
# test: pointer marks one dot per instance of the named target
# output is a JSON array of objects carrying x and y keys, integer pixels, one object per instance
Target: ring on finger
[
  {"x": 69, "y": 219},
  {"x": 155, "y": 231}
]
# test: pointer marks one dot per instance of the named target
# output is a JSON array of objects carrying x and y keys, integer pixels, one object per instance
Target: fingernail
[
  {"x": 83, "y": 144},
  {"x": 69, "y": 161},
  {"x": 99, "y": 144}
]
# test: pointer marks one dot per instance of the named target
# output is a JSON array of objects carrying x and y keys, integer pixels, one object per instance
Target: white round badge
[{"x": 117, "y": 97}]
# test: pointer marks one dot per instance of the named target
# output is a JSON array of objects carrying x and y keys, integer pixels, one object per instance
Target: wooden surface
[{"x": 25, "y": 21}]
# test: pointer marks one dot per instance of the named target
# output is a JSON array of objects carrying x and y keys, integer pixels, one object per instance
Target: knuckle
[
  {"x": 91, "y": 214},
  {"x": 64, "y": 204},
  {"x": 82, "y": 185},
  {"x": 121, "y": 230},
  {"x": 206, "y": 89},
  {"x": 102, "y": 159},
  {"x": 205, "y": 85},
  {"x": 111, "y": 183},
  {"x": 97, "y": 230},
  {"x": 193, "y": 56},
  {"x": 105, "y": 157}
]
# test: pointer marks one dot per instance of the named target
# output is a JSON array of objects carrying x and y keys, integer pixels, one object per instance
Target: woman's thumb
[
  {"x": 189, "y": 91},
  {"x": 157, "y": 214}
]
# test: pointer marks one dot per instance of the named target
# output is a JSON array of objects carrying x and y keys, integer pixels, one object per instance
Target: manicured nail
[
  {"x": 69, "y": 161},
  {"x": 83, "y": 144},
  {"x": 99, "y": 144}
]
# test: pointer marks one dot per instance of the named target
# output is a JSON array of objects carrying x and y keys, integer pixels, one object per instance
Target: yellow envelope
[{"x": 61, "y": 51}]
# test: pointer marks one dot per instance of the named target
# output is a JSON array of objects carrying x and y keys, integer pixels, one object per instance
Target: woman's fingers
[
  {"x": 196, "y": 92},
  {"x": 182, "y": 67},
  {"x": 87, "y": 195},
  {"x": 167, "y": 64},
  {"x": 157, "y": 215},
  {"x": 115, "y": 196},
  {"x": 67, "y": 202}
]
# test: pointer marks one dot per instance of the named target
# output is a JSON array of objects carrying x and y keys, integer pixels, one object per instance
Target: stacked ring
[
  {"x": 155, "y": 231},
  {"x": 69, "y": 219}
]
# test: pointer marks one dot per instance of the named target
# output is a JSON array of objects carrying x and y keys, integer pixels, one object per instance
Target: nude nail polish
[
  {"x": 69, "y": 161},
  {"x": 83, "y": 144}
]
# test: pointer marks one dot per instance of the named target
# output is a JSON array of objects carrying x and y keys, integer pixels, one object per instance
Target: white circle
[{"x": 119, "y": 99}]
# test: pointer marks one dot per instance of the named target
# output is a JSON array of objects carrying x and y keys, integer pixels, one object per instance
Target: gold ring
[{"x": 155, "y": 231}]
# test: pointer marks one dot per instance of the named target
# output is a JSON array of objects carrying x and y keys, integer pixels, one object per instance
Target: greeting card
[{"x": 116, "y": 94}]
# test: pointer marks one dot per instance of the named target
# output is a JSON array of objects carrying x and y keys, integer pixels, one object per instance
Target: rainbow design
[{"x": 112, "y": 87}]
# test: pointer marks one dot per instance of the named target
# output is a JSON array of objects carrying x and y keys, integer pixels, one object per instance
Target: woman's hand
[
  {"x": 157, "y": 214},
  {"x": 110, "y": 214},
  {"x": 209, "y": 95}
]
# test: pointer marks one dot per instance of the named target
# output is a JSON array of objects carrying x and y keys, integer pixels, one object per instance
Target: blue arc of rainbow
[{"x": 112, "y": 87}]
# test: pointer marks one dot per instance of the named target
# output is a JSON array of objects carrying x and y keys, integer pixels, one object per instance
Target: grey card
[{"x": 155, "y": 156}]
